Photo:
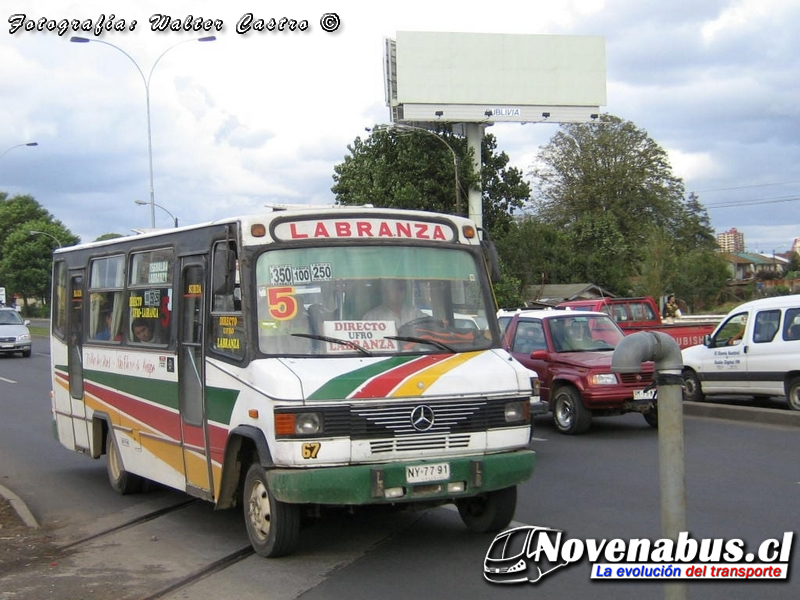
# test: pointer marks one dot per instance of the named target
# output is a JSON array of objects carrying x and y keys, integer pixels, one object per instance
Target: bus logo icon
[
  {"x": 422, "y": 417},
  {"x": 516, "y": 556}
]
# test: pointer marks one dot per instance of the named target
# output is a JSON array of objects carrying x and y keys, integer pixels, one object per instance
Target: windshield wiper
[
  {"x": 418, "y": 340},
  {"x": 333, "y": 340}
]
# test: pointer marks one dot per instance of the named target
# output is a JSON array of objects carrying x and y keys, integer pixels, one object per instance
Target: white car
[
  {"x": 14, "y": 333},
  {"x": 755, "y": 351}
]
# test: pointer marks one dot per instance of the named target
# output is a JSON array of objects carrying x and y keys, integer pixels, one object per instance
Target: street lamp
[
  {"x": 405, "y": 127},
  {"x": 7, "y": 150},
  {"x": 50, "y": 235},
  {"x": 146, "y": 81},
  {"x": 145, "y": 203}
]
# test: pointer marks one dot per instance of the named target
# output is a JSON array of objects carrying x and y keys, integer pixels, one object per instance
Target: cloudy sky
[{"x": 257, "y": 118}]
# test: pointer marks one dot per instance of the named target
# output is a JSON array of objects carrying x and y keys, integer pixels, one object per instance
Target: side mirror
[
  {"x": 223, "y": 279},
  {"x": 492, "y": 260}
]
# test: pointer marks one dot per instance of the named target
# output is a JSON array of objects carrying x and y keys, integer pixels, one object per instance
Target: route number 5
[{"x": 282, "y": 303}]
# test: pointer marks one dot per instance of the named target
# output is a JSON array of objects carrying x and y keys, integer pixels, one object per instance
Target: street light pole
[
  {"x": 405, "y": 127},
  {"x": 7, "y": 150},
  {"x": 50, "y": 235},
  {"x": 145, "y": 203},
  {"x": 146, "y": 81}
]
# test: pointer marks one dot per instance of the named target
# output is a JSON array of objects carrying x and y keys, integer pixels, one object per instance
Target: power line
[
  {"x": 729, "y": 204},
  {"x": 744, "y": 187}
]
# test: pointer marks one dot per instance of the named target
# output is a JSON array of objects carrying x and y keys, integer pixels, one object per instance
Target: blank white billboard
[{"x": 467, "y": 76}]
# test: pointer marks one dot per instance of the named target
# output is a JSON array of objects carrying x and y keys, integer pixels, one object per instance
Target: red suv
[{"x": 571, "y": 351}]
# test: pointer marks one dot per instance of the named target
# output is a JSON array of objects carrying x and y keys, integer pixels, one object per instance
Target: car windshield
[
  {"x": 584, "y": 333},
  {"x": 10, "y": 317},
  {"x": 367, "y": 300}
]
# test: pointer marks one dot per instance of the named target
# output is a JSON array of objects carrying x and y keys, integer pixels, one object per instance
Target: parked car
[
  {"x": 14, "y": 333},
  {"x": 755, "y": 351},
  {"x": 572, "y": 351}
]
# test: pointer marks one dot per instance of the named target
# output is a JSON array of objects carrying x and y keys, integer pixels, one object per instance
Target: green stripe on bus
[
  {"x": 220, "y": 403},
  {"x": 342, "y": 386},
  {"x": 160, "y": 392}
]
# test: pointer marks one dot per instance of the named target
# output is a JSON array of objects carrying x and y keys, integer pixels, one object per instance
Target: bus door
[
  {"x": 191, "y": 377},
  {"x": 80, "y": 418}
]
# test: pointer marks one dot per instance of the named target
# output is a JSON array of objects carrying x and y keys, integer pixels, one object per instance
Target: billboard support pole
[{"x": 474, "y": 140}]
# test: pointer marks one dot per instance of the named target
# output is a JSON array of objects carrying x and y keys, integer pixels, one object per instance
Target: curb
[
  {"x": 18, "y": 505},
  {"x": 749, "y": 414}
]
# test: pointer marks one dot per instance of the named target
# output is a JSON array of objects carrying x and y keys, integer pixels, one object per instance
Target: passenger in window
[
  {"x": 107, "y": 325},
  {"x": 104, "y": 334},
  {"x": 394, "y": 306},
  {"x": 143, "y": 331}
]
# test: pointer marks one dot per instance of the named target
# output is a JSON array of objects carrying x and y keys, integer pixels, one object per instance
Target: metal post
[
  {"x": 475, "y": 202},
  {"x": 665, "y": 352}
]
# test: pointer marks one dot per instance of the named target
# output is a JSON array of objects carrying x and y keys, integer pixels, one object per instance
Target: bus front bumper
[{"x": 388, "y": 483}]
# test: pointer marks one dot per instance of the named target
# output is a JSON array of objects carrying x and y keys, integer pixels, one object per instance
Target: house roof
[{"x": 750, "y": 258}]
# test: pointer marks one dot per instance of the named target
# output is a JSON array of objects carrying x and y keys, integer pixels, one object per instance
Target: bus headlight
[
  {"x": 517, "y": 412},
  {"x": 308, "y": 423},
  {"x": 298, "y": 424}
]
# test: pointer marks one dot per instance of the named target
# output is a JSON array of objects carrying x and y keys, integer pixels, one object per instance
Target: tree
[
  {"x": 532, "y": 253},
  {"x": 410, "y": 169},
  {"x": 598, "y": 245},
  {"x": 504, "y": 188},
  {"x": 18, "y": 210},
  {"x": 610, "y": 187},
  {"x": 701, "y": 284},
  {"x": 108, "y": 236},
  {"x": 657, "y": 271},
  {"x": 26, "y": 258}
]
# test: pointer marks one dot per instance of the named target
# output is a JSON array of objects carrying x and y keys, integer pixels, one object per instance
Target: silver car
[{"x": 14, "y": 334}]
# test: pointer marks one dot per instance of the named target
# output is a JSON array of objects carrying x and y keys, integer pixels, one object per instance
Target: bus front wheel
[
  {"x": 488, "y": 512},
  {"x": 272, "y": 526}
]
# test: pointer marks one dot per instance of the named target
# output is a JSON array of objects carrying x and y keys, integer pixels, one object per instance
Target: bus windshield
[{"x": 345, "y": 300}]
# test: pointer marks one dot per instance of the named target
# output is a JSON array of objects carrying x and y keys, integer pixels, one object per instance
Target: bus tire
[
  {"x": 272, "y": 526},
  {"x": 488, "y": 512},
  {"x": 122, "y": 482}
]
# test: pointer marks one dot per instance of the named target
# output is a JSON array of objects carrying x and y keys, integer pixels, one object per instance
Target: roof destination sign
[{"x": 363, "y": 228}]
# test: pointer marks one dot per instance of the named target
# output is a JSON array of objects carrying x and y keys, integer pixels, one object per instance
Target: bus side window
[
  {"x": 227, "y": 320},
  {"x": 149, "y": 296}
]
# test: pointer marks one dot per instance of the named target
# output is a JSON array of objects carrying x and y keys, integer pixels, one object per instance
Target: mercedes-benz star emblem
[{"x": 422, "y": 417}]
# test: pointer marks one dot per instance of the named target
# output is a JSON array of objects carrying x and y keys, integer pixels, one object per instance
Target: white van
[{"x": 754, "y": 351}]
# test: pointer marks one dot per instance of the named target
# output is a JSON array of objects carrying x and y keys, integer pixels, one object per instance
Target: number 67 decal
[{"x": 282, "y": 303}]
